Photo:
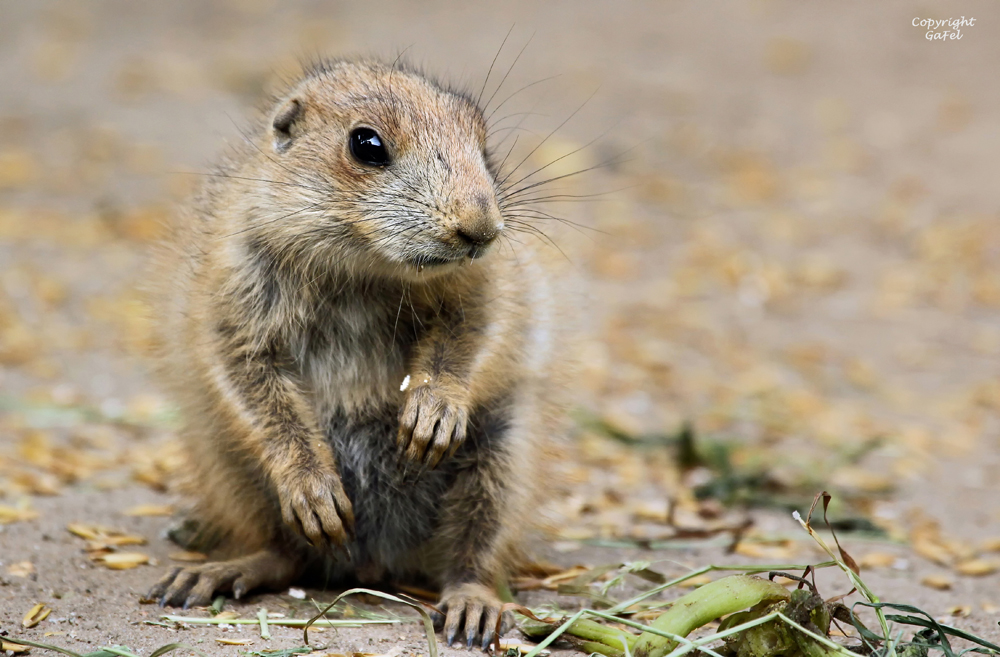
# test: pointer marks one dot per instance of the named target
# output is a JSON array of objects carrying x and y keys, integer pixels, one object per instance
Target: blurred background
[{"x": 792, "y": 266}]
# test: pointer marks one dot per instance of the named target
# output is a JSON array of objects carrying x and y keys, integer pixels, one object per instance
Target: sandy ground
[
  {"x": 95, "y": 607},
  {"x": 798, "y": 250}
]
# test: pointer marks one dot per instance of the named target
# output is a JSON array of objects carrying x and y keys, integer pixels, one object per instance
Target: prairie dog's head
[{"x": 382, "y": 166}]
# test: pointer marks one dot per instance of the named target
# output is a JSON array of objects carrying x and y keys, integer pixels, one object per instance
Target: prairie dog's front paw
[
  {"x": 433, "y": 420},
  {"x": 314, "y": 504}
]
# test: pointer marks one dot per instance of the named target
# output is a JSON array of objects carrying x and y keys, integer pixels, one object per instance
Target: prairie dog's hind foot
[
  {"x": 194, "y": 586},
  {"x": 475, "y": 609}
]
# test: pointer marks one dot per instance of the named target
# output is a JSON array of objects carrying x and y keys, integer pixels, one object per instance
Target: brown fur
[{"x": 299, "y": 290}]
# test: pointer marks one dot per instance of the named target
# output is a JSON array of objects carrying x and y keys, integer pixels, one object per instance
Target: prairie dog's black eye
[{"x": 367, "y": 148}]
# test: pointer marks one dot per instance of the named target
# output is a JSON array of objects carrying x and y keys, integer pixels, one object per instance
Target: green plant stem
[
  {"x": 556, "y": 634},
  {"x": 585, "y": 629},
  {"x": 265, "y": 631},
  {"x": 591, "y": 647},
  {"x": 724, "y": 596},
  {"x": 622, "y": 606}
]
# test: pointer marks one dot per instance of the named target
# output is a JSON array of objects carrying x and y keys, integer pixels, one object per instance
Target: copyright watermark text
[{"x": 946, "y": 29}]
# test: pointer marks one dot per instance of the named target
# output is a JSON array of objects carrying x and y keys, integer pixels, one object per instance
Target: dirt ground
[{"x": 794, "y": 247}]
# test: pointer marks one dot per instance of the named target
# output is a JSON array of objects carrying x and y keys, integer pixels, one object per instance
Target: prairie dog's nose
[{"x": 481, "y": 222}]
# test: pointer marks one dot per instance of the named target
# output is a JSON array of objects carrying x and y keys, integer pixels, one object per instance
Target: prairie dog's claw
[
  {"x": 475, "y": 610},
  {"x": 317, "y": 507},
  {"x": 432, "y": 423}
]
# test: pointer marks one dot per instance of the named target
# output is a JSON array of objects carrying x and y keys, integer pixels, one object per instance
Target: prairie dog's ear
[{"x": 286, "y": 124}]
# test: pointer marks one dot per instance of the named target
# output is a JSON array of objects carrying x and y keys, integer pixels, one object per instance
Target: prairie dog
[{"x": 366, "y": 359}]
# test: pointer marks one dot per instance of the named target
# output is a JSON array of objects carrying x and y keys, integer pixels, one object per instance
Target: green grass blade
[
  {"x": 170, "y": 647},
  {"x": 428, "y": 624},
  {"x": 43, "y": 646}
]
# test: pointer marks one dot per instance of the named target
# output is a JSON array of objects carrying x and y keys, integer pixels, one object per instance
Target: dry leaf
[
  {"x": 552, "y": 581},
  {"x": 21, "y": 569},
  {"x": 836, "y": 631},
  {"x": 109, "y": 543},
  {"x": 654, "y": 511},
  {"x": 234, "y": 642},
  {"x": 97, "y": 554},
  {"x": 939, "y": 582},
  {"x": 150, "y": 510},
  {"x": 228, "y": 615},
  {"x": 9, "y": 514},
  {"x": 13, "y": 647},
  {"x": 89, "y": 532},
  {"x": 878, "y": 560},
  {"x": 123, "y": 560},
  {"x": 188, "y": 556},
  {"x": 927, "y": 541},
  {"x": 103, "y": 539},
  {"x": 931, "y": 549},
  {"x": 37, "y": 483},
  {"x": 36, "y": 615},
  {"x": 961, "y": 611},
  {"x": 977, "y": 567},
  {"x": 761, "y": 551},
  {"x": 695, "y": 582},
  {"x": 124, "y": 539},
  {"x": 960, "y": 550}
]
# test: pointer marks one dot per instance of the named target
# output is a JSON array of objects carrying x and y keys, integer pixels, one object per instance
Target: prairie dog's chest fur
[
  {"x": 353, "y": 352},
  {"x": 351, "y": 358}
]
